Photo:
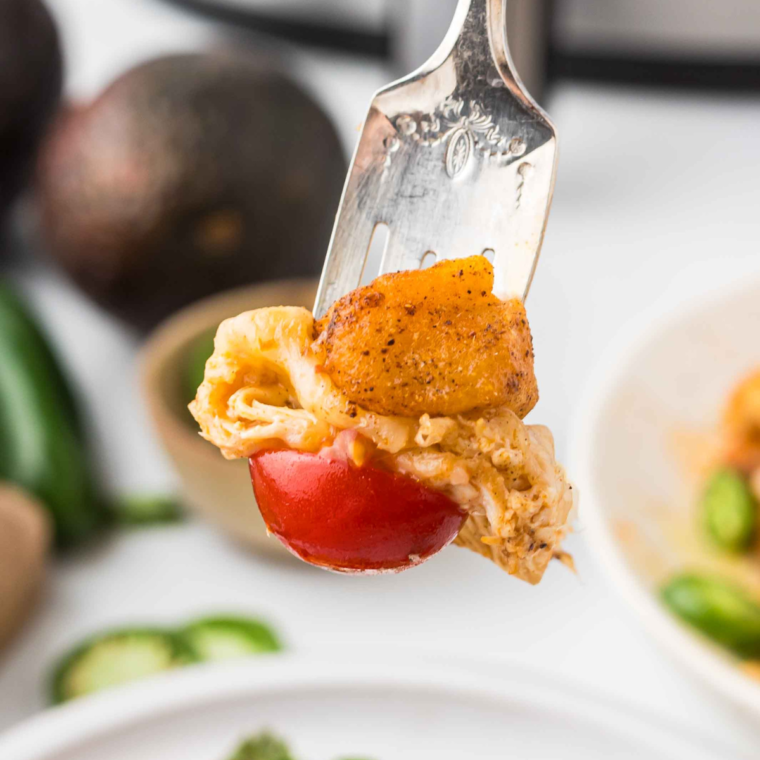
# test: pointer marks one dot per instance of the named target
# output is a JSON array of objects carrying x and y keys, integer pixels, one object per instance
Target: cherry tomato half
[{"x": 332, "y": 513}]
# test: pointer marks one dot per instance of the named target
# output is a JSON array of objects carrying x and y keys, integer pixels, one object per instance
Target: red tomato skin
[{"x": 332, "y": 513}]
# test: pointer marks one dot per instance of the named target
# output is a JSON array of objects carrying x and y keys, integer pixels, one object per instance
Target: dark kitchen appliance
[{"x": 679, "y": 43}]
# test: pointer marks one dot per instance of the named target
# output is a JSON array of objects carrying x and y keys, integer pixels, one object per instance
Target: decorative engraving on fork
[
  {"x": 458, "y": 152},
  {"x": 466, "y": 126},
  {"x": 524, "y": 171}
]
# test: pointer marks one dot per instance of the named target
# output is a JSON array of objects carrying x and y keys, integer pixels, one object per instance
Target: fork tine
[{"x": 357, "y": 216}]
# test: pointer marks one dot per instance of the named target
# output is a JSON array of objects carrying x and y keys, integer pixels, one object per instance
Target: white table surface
[{"x": 657, "y": 200}]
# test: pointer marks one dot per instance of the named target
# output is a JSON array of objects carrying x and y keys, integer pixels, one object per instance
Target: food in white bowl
[
  {"x": 668, "y": 501},
  {"x": 724, "y": 604},
  {"x": 263, "y": 746}
]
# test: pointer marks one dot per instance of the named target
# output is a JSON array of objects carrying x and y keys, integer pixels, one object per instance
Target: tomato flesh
[{"x": 332, "y": 513}]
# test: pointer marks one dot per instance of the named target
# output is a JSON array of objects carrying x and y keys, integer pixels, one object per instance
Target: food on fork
[{"x": 393, "y": 426}]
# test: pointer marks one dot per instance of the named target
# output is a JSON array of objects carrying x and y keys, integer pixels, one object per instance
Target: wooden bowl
[
  {"x": 213, "y": 487},
  {"x": 25, "y": 538}
]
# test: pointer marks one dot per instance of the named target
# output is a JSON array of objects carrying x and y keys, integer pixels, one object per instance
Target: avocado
[
  {"x": 188, "y": 175},
  {"x": 31, "y": 74}
]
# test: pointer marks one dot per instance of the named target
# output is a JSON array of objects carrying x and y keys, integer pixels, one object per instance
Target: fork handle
[{"x": 476, "y": 22}]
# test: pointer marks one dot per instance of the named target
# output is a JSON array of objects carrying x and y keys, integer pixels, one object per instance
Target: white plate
[
  {"x": 397, "y": 709},
  {"x": 666, "y": 378}
]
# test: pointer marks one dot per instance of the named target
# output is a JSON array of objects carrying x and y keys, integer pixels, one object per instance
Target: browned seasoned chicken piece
[{"x": 433, "y": 341}]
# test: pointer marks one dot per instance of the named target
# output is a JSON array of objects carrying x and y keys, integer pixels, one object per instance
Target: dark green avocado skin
[
  {"x": 31, "y": 73},
  {"x": 188, "y": 175}
]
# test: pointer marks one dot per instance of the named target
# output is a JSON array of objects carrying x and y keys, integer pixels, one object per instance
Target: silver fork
[{"x": 456, "y": 159}]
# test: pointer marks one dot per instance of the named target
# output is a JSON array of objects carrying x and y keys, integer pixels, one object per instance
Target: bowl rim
[
  {"x": 65, "y": 727},
  {"x": 686, "y": 646}
]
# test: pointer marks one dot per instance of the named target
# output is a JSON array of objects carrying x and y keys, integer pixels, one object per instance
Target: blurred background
[{"x": 156, "y": 155}]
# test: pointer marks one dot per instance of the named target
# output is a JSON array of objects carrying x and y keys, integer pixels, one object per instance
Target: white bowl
[
  {"x": 662, "y": 383},
  {"x": 400, "y": 707}
]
